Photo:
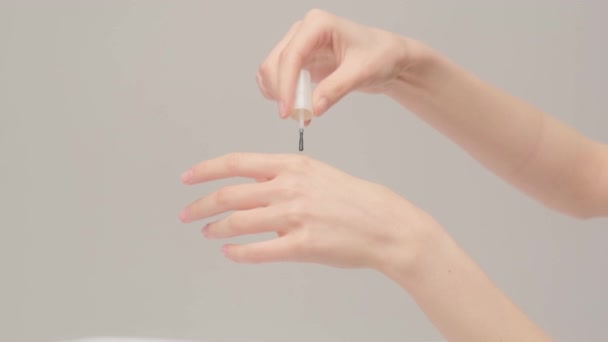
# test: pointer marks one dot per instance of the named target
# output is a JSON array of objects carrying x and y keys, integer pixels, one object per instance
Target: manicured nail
[
  {"x": 187, "y": 177},
  {"x": 183, "y": 215},
  {"x": 205, "y": 231},
  {"x": 321, "y": 106},
  {"x": 282, "y": 110}
]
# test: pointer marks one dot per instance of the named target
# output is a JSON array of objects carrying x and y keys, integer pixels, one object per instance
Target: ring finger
[{"x": 234, "y": 197}]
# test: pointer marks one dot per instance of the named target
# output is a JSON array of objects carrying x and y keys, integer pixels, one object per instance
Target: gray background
[{"x": 103, "y": 105}]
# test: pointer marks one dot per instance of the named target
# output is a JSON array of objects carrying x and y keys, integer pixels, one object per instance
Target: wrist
[
  {"x": 415, "y": 241},
  {"x": 420, "y": 65},
  {"x": 429, "y": 253}
]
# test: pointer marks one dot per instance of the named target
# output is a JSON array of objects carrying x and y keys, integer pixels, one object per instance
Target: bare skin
[{"x": 323, "y": 215}]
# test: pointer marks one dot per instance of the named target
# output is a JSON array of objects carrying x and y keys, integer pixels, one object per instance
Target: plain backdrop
[{"x": 103, "y": 104}]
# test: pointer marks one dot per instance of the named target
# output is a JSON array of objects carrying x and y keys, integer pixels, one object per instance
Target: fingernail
[
  {"x": 187, "y": 177},
  {"x": 205, "y": 231},
  {"x": 225, "y": 251},
  {"x": 322, "y": 104},
  {"x": 183, "y": 215},
  {"x": 282, "y": 110}
]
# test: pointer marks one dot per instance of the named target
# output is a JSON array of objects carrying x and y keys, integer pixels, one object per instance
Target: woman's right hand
[{"x": 342, "y": 56}]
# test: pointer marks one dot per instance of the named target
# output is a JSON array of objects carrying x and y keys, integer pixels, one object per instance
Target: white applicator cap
[{"x": 302, "y": 108}]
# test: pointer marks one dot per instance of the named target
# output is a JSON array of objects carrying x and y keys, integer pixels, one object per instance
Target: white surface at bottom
[
  {"x": 125, "y": 339},
  {"x": 139, "y": 339}
]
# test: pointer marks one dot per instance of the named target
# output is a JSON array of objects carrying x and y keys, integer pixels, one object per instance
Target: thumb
[{"x": 334, "y": 87}]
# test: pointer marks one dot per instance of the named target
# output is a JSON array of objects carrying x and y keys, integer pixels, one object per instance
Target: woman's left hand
[{"x": 321, "y": 214}]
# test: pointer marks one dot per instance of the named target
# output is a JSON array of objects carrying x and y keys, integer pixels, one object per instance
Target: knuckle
[
  {"x": 288, "y": 192},
  {"x": 295, "y": 216},
  {"x": 297, "y": 163},
  {"x": 366, "y": 72},
  {"x": 289, "y": 188},
  {"x": 293, "y": 219},
  {"x": 235, "y": 225},
  {"x": 316, "y": 14},
  {"x": 233, "y": 161},
  {"x": 303, "y": 162},
  {"x": 296, "y": 25},
  {"x": 284, "y": 159},
  {"x": 264, "y": 71},
  {"x": 290, "y": 55},
  {"x": 198, "y": 169},
  {"x": 319, "y": 19},
  {"x": 267, "y": 95},
  {"x": 259, "y": 78},
  {"x": 303, "y": 244},
  {"x": 285, "y": 56},
  {"x": 252, "y": 255},
  {"x": 263, "y": 79},
  {"x": 222, "y": 196}
]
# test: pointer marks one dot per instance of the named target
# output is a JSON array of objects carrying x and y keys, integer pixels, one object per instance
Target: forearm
[
  {"x": 461, "y": 302},
  {"x": 541, "y": 156}
]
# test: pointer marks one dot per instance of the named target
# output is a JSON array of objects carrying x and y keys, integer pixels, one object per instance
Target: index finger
[
  {"x": 248, "y": 165},
  {"x": 267, "y": 73},
  {"x": 312, "y": 34}
]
